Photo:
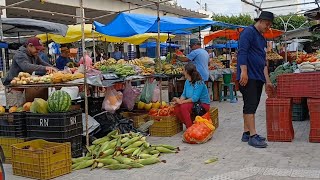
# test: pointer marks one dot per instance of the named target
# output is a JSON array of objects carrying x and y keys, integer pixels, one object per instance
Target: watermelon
[{"x": 59, "y": 101}]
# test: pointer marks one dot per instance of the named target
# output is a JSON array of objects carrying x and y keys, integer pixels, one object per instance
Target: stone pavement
[{"x": 280, "y": 161}]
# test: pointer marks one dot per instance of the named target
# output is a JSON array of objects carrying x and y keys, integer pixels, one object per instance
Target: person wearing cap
[
  {"x": 27, "y": 60},
  {"x": 63, "y": 59},
  {"x": 252, "y": 74},
  {"x": 199, "y": 57}
]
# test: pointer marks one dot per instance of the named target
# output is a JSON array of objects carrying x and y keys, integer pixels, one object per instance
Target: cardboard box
[{"x": 210, "y": 90}]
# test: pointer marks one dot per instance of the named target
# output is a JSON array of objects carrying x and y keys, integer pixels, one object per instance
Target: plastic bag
[
  {"x": 130, "y": 95},
  {"x": 201, "y": 131},
  {"x": 197, "y": 109},
  {"x": 112, "y": 100},
  {"x": 156, "y": 93},
  {"x": 147, "y": 92}
]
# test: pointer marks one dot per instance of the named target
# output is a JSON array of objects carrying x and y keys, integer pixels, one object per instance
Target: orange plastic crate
[
  {"x": 46, "y": 160},
  {"x": 279, "y": 120}
]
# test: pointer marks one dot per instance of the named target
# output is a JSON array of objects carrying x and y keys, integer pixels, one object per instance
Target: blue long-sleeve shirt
[
  {"x": 252, "y": 53},
  {"x": 61, "y": 62},
  {"x": 196, "y": 92}
]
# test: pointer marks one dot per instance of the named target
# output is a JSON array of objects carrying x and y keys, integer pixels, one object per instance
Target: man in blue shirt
[
  {"x": 199, "y": 57},
  {"x": 63, "y": 59},
  {"x": 117, "y": 54},
  {"x": 252, "y": 74}
]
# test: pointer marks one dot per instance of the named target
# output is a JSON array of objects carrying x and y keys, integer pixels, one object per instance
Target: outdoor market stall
[{"x": 58, "y": 104}]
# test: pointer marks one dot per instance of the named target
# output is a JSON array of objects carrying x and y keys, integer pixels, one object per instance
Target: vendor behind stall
[
  {"x": 63, "y": 59},
  {"x": 25, "y": 60},
  {"x": 199, "y": 57}
]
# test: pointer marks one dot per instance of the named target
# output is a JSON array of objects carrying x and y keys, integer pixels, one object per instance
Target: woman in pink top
[{"x": 88, "y": 60}]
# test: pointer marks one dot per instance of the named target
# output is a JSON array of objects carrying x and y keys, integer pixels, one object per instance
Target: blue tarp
[
  {"x": 229, "y": 44},
  {"x": 181, "y": 32},
  {"x": 3, "y": 45},
  {"x": 154, "y": 44},
  {"x": 127, "y": 24}
]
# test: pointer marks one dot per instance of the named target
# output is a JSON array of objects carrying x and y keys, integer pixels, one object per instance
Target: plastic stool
[{"x": 231, "y": 95}]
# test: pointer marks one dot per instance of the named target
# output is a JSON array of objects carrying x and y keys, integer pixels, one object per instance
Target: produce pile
[
  {"x": 58, "y": 77},
  {"x": 307, "y": 58},
  {"x": 171, "y": 69},
  {"x": 143, "y": 64},
  {"x": 273, "y": 56},
  {"x": 309, "y": 67},
  {"x": 122, "y": 151},
  {"x": 282, "y": 69},
  {"x": 59, "y": 101},
  {"x": 122, "y": 70}
]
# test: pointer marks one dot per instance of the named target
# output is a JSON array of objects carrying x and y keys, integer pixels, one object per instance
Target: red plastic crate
[
  {"x": 279, "y": 120},
  {"x": 297, "y": 100},
  {"x": 298, "y": 85},
  {"x": 314, "y": 110}
]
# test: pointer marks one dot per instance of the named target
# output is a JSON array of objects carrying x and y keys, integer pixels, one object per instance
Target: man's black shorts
[{"x": 251, "y": 95}]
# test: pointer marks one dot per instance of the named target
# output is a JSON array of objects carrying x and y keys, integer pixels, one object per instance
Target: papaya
[{"x": 39, "y": 106}]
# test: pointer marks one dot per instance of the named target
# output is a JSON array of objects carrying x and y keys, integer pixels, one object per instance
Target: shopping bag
[
  {"x": 147, "y": 91},
  {"x": 130, "y": 95},
  {"x": 112, "y": 100},
  {"x": 156, "y": 93}
]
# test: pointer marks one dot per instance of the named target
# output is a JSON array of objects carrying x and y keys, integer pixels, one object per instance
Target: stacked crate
[
  {"x": 297, "y": 87},
  {"x": 279, "y": 119},
  {"x": 57, "y": 127},
  {"x": 12, "y": 131}
]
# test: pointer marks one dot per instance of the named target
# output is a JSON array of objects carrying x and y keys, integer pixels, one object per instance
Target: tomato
[
  {"x": 171, "y": 111},
  {"x": 153, "y": 111},
  {"x": 163, "y": 112}
]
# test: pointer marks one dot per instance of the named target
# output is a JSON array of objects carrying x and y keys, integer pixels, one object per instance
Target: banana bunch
[
  {"x": 147, "y": 71},
  {"x": 173, "y": 72},
  {"x": 136, "y": 62},
  {"x": 122, "y": 151},
  {"x": 104, "y": 62}
]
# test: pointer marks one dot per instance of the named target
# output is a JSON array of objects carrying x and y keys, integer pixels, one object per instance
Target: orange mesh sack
[{"x": 201, "y": 131}]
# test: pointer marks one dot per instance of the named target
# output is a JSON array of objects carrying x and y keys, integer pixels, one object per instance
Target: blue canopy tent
[
  {"x": 127, "y": 24},
  {"x": 230, "y": 45},
  {"x": 151, "y": 47},
  {"x": 154, "y": 44}
]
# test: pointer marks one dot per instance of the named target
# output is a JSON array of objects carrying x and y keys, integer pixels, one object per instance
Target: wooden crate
[{"x": 214, "y": 114}]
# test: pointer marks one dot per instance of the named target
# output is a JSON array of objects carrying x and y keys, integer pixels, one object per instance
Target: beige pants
[{"x": 15, "y": 98}]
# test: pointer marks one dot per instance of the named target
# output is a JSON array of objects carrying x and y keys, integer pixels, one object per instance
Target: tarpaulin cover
[
  {"x": 234, "y": 34},
  {"x": 74, "y": 34},
  {"x": 24, "y": 27},
  {"x": 128, "y": 24},
  {"x": 154, "y": 44}
]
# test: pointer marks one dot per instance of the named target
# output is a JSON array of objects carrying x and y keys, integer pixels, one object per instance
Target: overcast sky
[
  {"x": 217, "y": 6},
  {"x": 226, "y": 7}
]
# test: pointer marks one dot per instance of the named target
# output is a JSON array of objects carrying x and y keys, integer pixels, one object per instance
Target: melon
[
  {"x": 59, "y": 101},
  {"x": 13, "y": 109}
]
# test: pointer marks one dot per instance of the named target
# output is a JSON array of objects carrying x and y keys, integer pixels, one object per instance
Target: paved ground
[{"x": 280, "y": 161}]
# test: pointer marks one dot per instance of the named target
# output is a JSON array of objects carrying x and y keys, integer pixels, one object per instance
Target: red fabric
[{"x": 183, "y": 112}]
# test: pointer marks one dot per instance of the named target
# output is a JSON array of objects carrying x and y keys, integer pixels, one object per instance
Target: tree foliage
[{"x": 295, "y": 21}]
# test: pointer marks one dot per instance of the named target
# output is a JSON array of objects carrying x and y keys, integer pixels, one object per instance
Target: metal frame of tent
[{"x": 83, "y": 20}]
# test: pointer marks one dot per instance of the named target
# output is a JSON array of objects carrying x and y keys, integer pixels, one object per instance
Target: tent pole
[
  {"x": 158, "y": 48},
  {"x": 2, "y": 49},
  {"x": 85, "y": 69},
  {"x": 94, "y": 45}
]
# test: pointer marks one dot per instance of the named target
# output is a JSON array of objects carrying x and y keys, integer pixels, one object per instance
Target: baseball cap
[{"x": 36, "y": 42}]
